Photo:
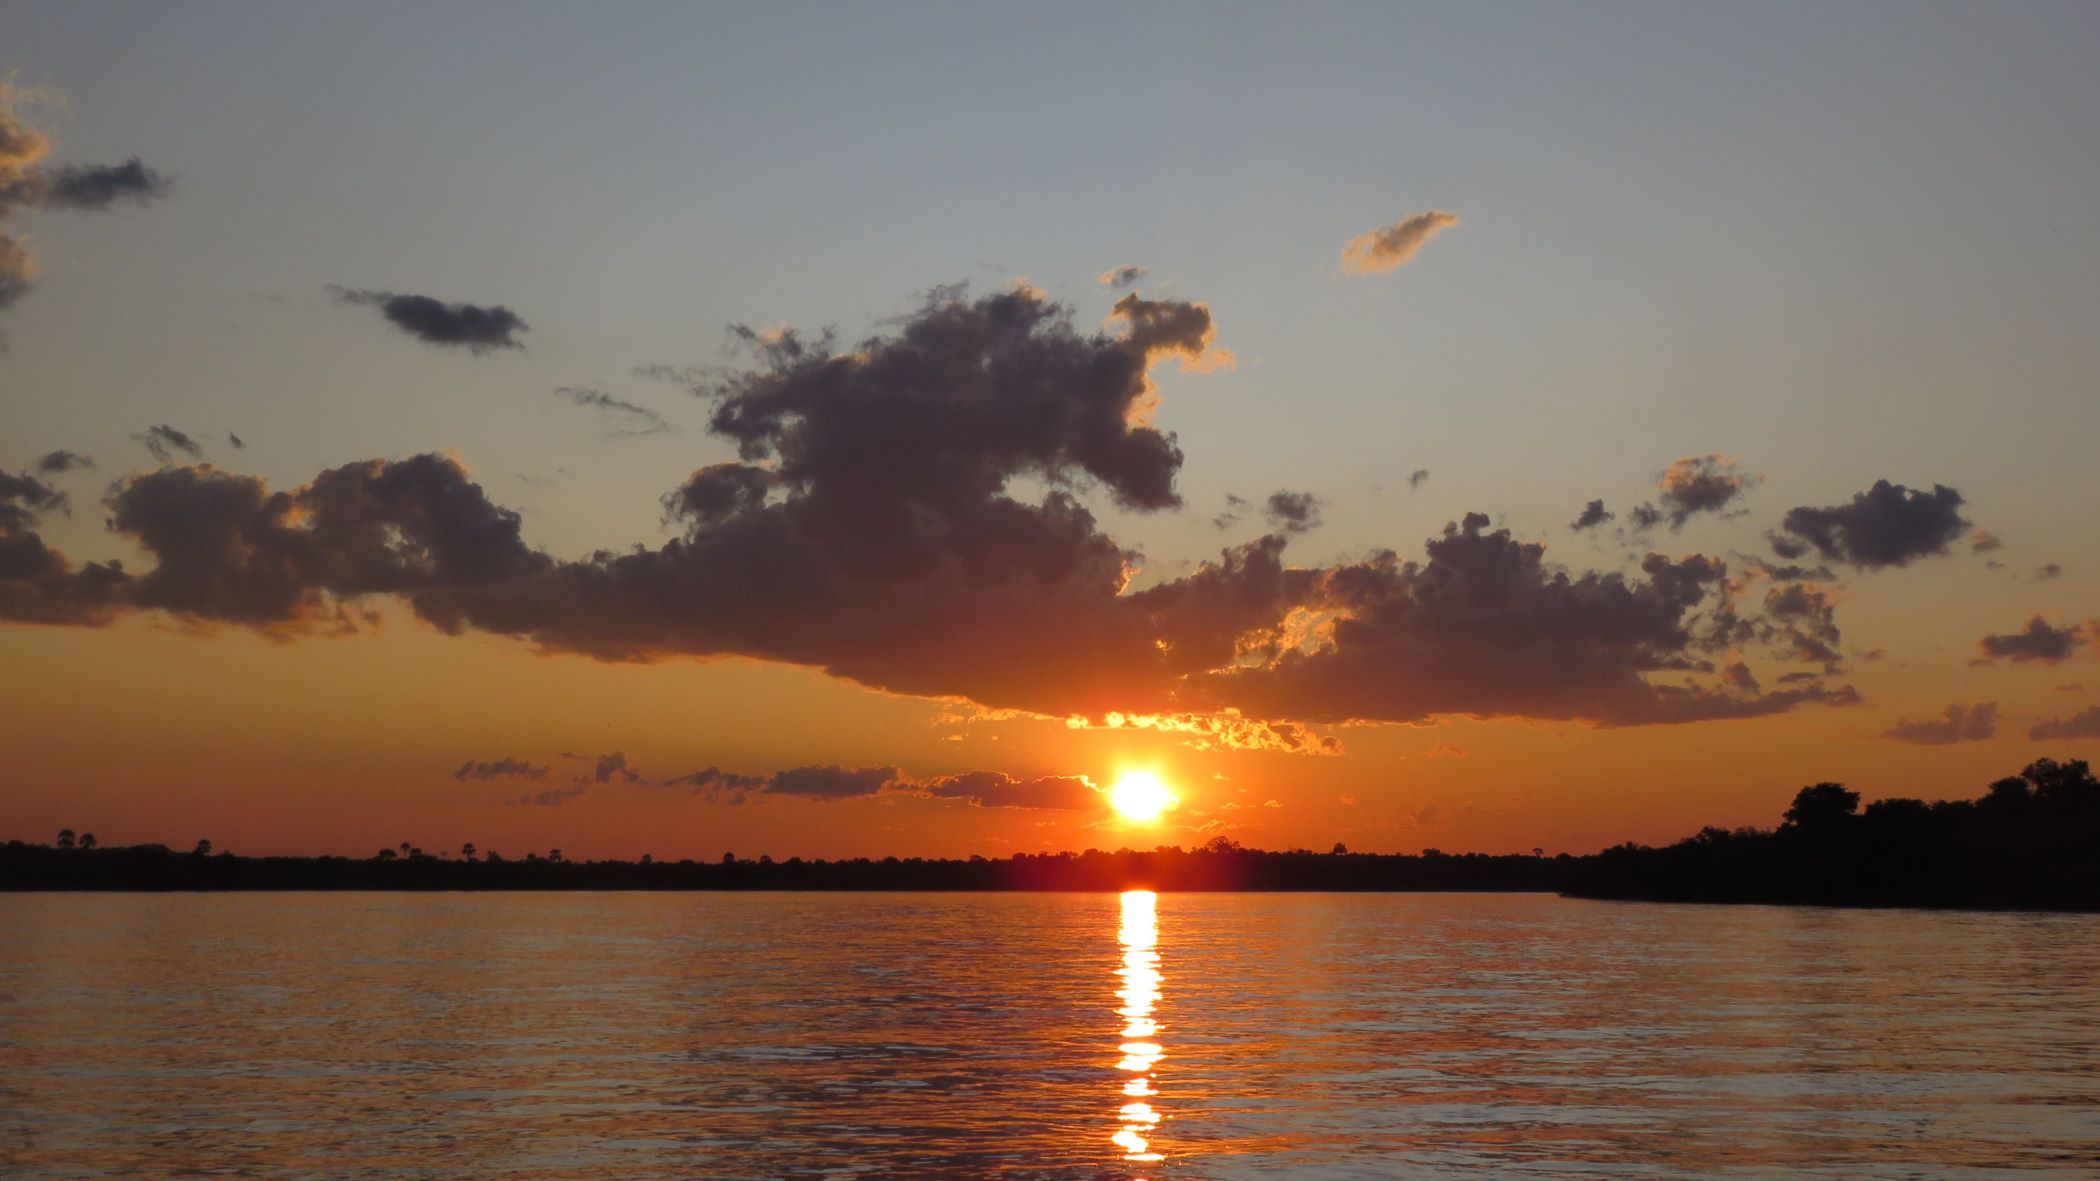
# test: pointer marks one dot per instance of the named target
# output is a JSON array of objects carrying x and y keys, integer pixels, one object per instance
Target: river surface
[{"x": 1059, "y": 1036}]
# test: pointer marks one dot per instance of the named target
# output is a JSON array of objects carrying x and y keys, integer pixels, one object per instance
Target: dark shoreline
[{"x": 2031, "y": 842}]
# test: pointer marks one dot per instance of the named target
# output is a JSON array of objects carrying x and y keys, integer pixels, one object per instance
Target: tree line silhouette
[{"x": 2031, "y": 841}]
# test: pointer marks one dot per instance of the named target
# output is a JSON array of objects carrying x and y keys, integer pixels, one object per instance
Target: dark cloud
[
  {"x": 164, "y": 441},
  {"x": 553, "y": 797},
  {"x": 1485, "y": 628},
  {"x": 1691, "y": 486},
  {"x": 1122, "y": 276},
  {"x": 503, "y": 768},
  {"x": 873, "y": 527},
  {"x": 1592, "y": 515},
  {"x": 996, "y": 789},
  {"x": 1294, "y": 512},
  {"x": 638, "y": 420},
  {"x": 59, "y": 462},
  {"x": 1388, "y": 247},
  {"x": 607, "y": 769},
  {"x": 831, "y": 782},
  {"x": 239, "y": 444},
  {"x": 2037, "y": 642},
  {"x": 717, "y": 784},
  {"x": 2048, "y": 572},
  {"x": 479, "y": 330},
  {"x": 1961, "y": 723},
  {"x": 1416, "y": 478},
  {"x": 26, "y": 183},
  {"x": 2083, "y": 724},
  {"x": 98, "y": 186},
  {"x": 1887, "y": 525},
  {"x": 37, "y": 583}
]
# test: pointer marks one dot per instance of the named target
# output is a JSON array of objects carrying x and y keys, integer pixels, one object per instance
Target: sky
[{"x": 1215, "y": 391}]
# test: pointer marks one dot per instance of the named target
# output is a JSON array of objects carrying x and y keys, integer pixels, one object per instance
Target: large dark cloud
[
  {"x": 873, "y": 527},
  {"x": 26, "y": 183},
  {"x": 479, "y": 330},
  {"x": 1485, "y": 627},
  {"x": 2037, "y": 642},
  {"x": 1887, "y": 525},
  {"x": 2083, "y": 724},
  {"x": 1960, "y": 723}
]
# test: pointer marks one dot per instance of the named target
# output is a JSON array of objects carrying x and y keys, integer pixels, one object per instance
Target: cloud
[
  {"x": 1294, "y": 512},
  {"x": 906, "y": 515},
  {"x": 717, "y": 784},
  {"x": 640, "y": 420},
  {"x": 2037, "y": 642},
  {"x": 1122, "y": 276},
  {"x": 59, "y": 462},
  {"x": 607, "y": 768},
  {"x": 1416, "y": 478},
  {"x": 1485, "y": 628},
  {"x": 479, "y": 330},
  {"x": 1592, "y": 515},
  {"x": 503, "y": 768},
  {"x": 163, "y": 441},
  {"x": 996, "y": 789},
  {"x": 1887, "y": 525},
  {"x": 2048, "y": 572},
  {"x": 37, "y": 583},
  {"x": 831, "y": 782},
  {"x": 25, "y": 183},
  {"x": 1383, "y": 249},
  {"x": 2083, "y": 724},
  {"x": 1983, "y": 541},
  {"x": 98, "y": 186},
  {"x": 1961, "y": 723},
  {"x": 1693, "y": 485},
  {"x": 553, "y": 797},
  {"x": 239, "y": 444}
]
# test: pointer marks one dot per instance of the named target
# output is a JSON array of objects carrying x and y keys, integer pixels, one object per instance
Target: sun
[{"x": 1140, "y": 796}]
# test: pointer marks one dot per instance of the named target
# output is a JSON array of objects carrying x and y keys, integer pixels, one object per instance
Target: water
[{"x": 1057, "y": 1036}]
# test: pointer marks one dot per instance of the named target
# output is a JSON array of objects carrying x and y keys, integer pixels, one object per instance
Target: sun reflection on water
[{"x": 1138, "y": 994}]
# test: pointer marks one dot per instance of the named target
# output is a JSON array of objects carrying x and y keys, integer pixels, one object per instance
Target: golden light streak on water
[{"x": 1138, "y": 992}]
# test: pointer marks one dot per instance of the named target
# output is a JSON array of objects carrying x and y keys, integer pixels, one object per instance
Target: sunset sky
[{"x": 1295, "y": 346}]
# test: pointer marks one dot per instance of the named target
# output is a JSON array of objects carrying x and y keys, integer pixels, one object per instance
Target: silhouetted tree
[
  {"x": 1822, "y": 804},
  {"x": 87, "y": 840},
  {"x": 385, "y": 855},
  {"x": 467, "y": 850},
  {"x": 65, "y": 838},
  {"x": 554, "y": 854},
  {"x": 405, "y": 847},
  {"x": 203, "y": 848},
  {"x": 1339, "y": 849}
]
